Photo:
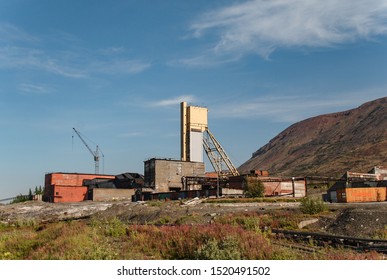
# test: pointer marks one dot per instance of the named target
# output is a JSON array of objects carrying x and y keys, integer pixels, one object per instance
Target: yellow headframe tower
[{"x": 194, "y": 122}]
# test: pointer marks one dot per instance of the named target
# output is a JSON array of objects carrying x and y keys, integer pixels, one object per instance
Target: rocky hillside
[{"x": 327, "y": 145}]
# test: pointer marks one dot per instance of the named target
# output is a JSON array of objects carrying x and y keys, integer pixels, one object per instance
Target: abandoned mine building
[{"x": 360, "y": 187}]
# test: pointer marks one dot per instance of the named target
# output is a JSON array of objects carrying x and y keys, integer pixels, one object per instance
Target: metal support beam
[{"x": 217, "y": 156}]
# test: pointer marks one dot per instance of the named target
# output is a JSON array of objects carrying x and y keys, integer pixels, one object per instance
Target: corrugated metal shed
[
  {"x": 273, "y": 186},
  {"x": 358, "y": 191}
]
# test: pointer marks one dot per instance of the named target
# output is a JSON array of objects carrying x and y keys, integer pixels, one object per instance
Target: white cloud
[
  {"x": 293, "y": 108},
  {"x": 11, "y": 33},
  {"x": 112, "y": 50},
  {"x": 174, "y": 101},
  {"x": 14, "y": 57},
  {"x": 120, "y": 66},
  {"x": 261, "y": 26},
  {"x": 207, "y": 59},
  {"x": 132, "y": 134},
  {"x": 34, "y": 88},
  {"x": 20, "y": 50}
]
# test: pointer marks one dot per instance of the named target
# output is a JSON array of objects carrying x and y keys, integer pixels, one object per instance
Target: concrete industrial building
[
  {"x": 164, "y": 175},
  {"x": 122, "y": 187}
]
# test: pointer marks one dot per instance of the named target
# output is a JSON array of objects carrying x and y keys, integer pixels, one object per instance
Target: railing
[{"x": 25, "y": 197}]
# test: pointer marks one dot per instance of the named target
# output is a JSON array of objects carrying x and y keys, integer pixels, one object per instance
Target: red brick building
[{"x": 68, "y": 187}]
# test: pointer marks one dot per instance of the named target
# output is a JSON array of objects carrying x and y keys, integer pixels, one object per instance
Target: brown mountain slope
[{"x": 327, "y": 145}]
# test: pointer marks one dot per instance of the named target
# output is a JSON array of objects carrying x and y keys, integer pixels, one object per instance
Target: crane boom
[{"x": 94, "y": 153}]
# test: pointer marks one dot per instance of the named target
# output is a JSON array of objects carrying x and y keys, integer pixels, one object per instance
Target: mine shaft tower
[{"x": 195, "y": 136}]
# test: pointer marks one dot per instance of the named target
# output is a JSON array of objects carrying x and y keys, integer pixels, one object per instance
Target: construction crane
[
  {"x": 217, "y": 156},
  {"x": 94, "y": 153}
]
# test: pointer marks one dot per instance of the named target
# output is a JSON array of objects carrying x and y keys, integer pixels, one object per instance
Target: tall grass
[
  {"x": 196, "y": 242},
  {"x": 229, "y": 237}
]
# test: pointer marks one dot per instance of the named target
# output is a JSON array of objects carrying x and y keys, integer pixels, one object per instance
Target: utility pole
[{"x": 219, "y": 171}]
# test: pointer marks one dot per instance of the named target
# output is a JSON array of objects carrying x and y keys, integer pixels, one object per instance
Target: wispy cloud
[
  {"x": 11, "y": 33},
  {"x": 112, "y": 50},
  {"x": 118, "y": 66},
  {"x": 261, "y": 27},
  {"x": 292, "y": 108},
  {"x": 34, "y": 88},
  {"x": 19, "y": 50},
  {"x": 132, "y": 134},
  {"x": 207, "y": 59},
  {"x": 13, "y": 57},
  {"x": 173, "y": 101}
]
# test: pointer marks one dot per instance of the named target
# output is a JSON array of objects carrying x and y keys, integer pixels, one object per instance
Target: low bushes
[
  {"x": 228, "y": 237},
  {"x": 312, "y": 206},
  {"x": 198, "y": 242},
  {"x": 253, "y": 187}
]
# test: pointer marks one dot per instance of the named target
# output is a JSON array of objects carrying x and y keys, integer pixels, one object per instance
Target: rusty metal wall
[
  {"x": 370, "y": 194},
  {"x": 273, "y": 186}
]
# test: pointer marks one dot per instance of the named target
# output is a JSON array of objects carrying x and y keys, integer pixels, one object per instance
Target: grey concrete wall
[
  {"x": 112, "y": 194},
  {"x": 165, "y": 175}
]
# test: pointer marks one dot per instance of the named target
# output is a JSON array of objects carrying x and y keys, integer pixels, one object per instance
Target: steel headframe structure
[{"x": 217, "y": 156}]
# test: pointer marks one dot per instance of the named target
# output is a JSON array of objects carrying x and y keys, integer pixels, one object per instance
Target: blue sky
[{"x": 117, "y": 71}]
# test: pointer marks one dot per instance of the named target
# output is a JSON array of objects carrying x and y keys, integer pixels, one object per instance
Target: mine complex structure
[{"x": 195, "y": 136}]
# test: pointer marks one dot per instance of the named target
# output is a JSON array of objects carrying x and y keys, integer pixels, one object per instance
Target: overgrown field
[{"x": 232, "y": 236}]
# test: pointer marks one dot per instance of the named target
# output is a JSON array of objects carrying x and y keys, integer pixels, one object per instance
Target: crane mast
[{"x": 94, "y": 153}]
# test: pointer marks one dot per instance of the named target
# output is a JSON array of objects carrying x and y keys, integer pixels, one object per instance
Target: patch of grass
[
  {"x": 188, "y": 219},
  {"x": 155, "y": 203},
  {"x": 17, "y": 243},
  {"x": 224, "y": 249},
  {"x": 312, "y": 206},
  {"x": 195, "y": 242},
  {"x": 233, "y": 236},
  {"x": 164, "y": 220},
  {"x": 248, "y": 221},
  {"x": 252, "y": 200},
  {"x": 381, "y": 233},
  {"x": 257, "y": 222},
  {"x": 114, "y": 227}
]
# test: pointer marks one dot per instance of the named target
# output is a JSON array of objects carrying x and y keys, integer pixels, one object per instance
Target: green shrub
[
  {"x": 254, "y": 187},
  {"x": 312, "y": 206},
  {"x": 225, "y": 249},
  {"x": 21, "y": 198},
  {"x": 113, "y": 227}
]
